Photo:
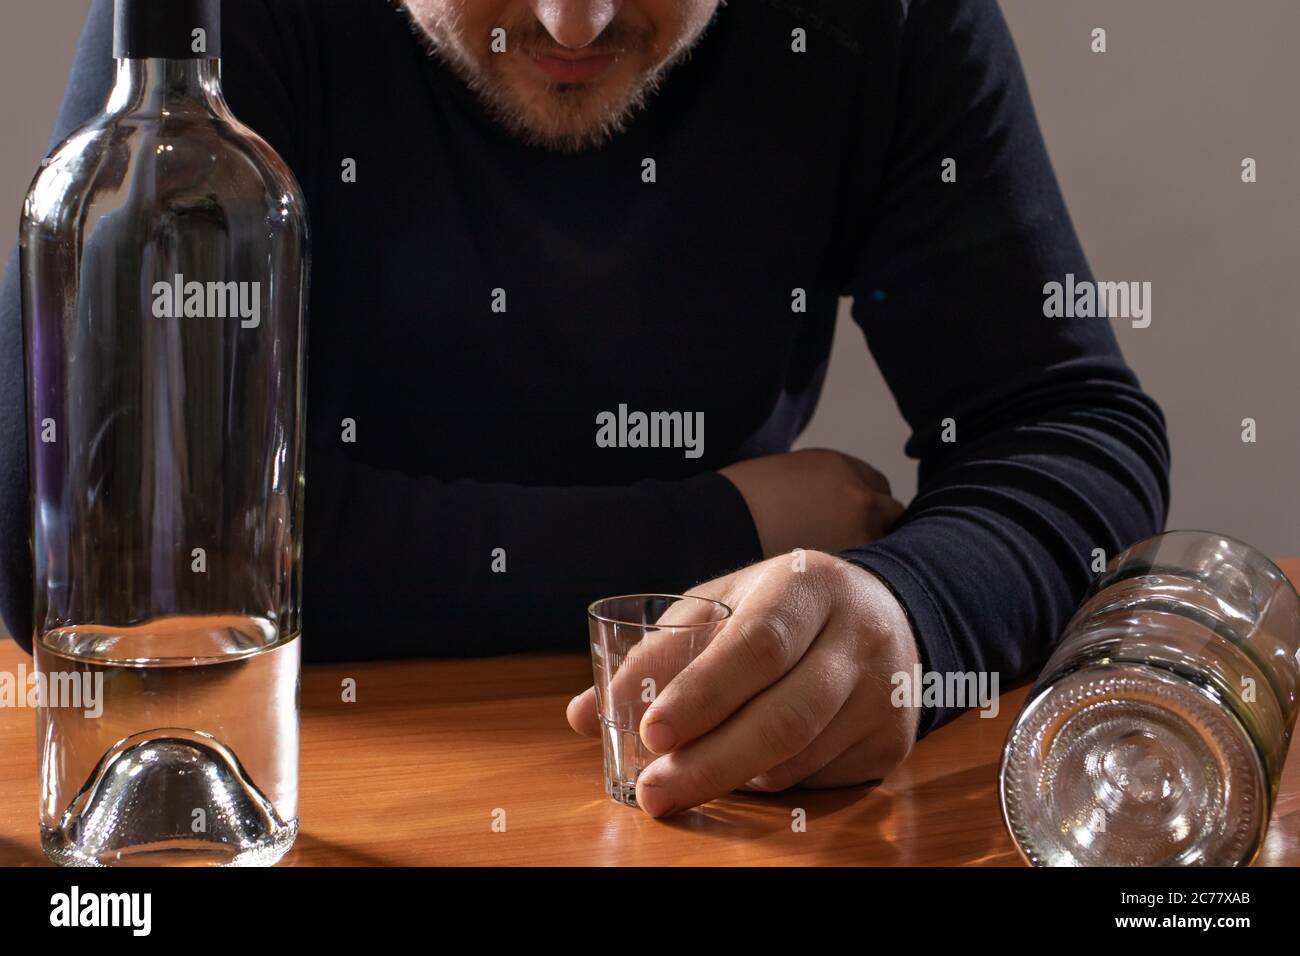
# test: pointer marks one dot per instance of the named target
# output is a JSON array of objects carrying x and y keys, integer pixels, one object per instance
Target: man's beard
[{"x": 567, "y": 117}]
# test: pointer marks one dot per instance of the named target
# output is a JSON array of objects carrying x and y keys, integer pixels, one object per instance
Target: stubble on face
[{"x": 567, "y": 117}]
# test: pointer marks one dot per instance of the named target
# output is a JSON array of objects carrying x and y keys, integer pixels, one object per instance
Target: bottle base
[
  {"x": 169, "y": 796},
  {"x": 1132, "y": 766},
  {"x": 172, "y": 852}
]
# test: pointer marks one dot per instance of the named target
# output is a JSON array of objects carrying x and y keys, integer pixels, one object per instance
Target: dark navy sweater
[{"x": 775, "y": 170}]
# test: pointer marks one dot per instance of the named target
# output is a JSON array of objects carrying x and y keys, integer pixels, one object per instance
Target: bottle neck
[{"x": 158, "y": 86}]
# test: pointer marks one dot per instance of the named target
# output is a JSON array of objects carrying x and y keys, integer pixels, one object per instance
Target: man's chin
[{"x": 567, "y": 117}]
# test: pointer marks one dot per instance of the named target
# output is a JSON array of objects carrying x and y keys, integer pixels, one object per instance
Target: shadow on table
[
  {"x": 954, "y": 820},
  {"x": 13, "y": 853},
  {"x": 309, "y": 850},
  {"x": 949, "y": 820},
  {"x": 750, "y": 815}
]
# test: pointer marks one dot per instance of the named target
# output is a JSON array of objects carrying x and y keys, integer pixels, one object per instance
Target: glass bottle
[
  {"x": 1156, "y": 734},
  {"x": 164, "y": 256}
]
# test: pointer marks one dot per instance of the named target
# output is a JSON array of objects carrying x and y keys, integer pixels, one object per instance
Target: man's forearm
[
  {"x": 397, "y": 565},
  {"x": 996, "y": 550}
]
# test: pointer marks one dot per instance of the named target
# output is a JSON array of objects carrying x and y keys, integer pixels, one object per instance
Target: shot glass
[{"x": 639, "y": 643}]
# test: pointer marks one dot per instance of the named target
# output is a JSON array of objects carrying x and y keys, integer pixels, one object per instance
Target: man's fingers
[
  {"x": 867, "y": 738},
  {"x": 842, "y": 755},
  {"x": 717, "y": 589},
  {"x": 871, "y": 758},
  {"x": 843, "y": 732},
  {"x": 582, "y": 715},
  {"x": 635, "y": 678},
  {"x": 690, "y": 613},
  {"x": 767, "y": 634},
  {"x": 776, "y": 725},
  {"x": 631, "y": 679}
]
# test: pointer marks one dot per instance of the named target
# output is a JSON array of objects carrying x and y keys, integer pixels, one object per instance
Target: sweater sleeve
[
  {"x": 1036, "y": 444},
  {"x": 396, "y": 564}
]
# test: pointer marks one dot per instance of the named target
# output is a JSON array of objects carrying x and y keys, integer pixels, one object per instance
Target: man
[{"x": 533, "y": 218}]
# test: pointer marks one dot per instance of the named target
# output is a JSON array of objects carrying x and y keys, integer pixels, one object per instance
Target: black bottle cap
[{"x": 167, "y": 28}]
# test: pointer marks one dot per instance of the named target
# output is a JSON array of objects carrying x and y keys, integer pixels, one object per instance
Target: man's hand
[
  {"x": 814, "y": 498},
  {"x": 795, "y": 689}
]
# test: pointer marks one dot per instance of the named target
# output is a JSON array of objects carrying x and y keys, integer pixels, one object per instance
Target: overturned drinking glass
[
  {"x": 1156, "y": 734},
  {"x": 639, "y": 643}
]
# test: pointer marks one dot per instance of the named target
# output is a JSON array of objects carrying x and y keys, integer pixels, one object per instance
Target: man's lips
[{"x": 571, "y": 66}]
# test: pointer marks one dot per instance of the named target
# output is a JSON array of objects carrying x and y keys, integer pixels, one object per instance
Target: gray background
[{"x": 1147, "y": 140}]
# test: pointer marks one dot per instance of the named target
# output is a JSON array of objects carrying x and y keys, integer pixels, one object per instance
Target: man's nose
[{"x": 575, "y": 23}]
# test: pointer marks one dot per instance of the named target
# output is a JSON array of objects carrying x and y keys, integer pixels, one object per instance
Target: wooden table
[{"x": 417, "y": 770}]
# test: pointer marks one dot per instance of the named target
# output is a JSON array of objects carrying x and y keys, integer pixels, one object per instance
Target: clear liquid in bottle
[{"x": 188, "y": 759}]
